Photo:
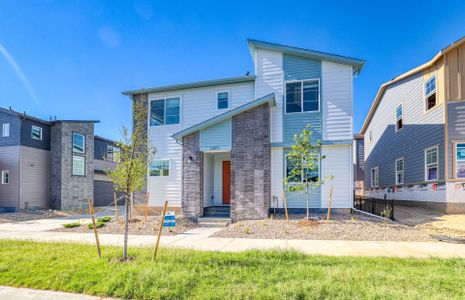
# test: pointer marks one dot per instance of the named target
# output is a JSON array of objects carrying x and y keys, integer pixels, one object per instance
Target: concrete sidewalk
[
  {"x": 11, "y": 293},
  {"x": 199, "y": 239}
]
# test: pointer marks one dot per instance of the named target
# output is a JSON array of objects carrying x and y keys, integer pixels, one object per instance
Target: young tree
[
  {"x": 135, "y": 156},
  {"x": 302, "y": 165}
]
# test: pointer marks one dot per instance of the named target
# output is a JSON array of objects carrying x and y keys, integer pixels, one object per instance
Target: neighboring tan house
[
  {"x": 222, "y": 144},
  {"x": 359, "y": 165},
  {"x": 49, "y": 164},
  {"x": 415, "y": 135}
]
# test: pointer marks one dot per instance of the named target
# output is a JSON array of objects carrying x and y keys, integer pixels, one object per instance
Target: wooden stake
[
  {"x": 285, "y": 206},
  {"x": 329, "y": 203},
  {"x": 146, "y": 207},
  {"x": 159, "y": 231},
  {"x": 92, "y": 213},
  {"x": 116, "y": 207}
]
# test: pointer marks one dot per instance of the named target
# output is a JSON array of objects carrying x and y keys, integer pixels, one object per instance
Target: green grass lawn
[{"x": 209, "y": 275}]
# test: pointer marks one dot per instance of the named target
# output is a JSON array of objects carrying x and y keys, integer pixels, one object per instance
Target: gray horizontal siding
[
  {"x": 100, "y": 148},
  {"x": 35, "y": 178},
  {"x": 456, "y": 129},
  {"x": 26, "y": 135},
  {"x": 298, "y": 68},
  {"x": 296, "y": 122},
  {"x": 216, "y": 137},
  {"x": 359, "y": 160},
  {"x": 9, "y": 193},
  {"x": 13, "y": 139}
]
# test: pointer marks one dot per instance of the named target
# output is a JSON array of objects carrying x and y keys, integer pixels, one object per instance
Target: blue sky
[{"x": 72, "y": 59}]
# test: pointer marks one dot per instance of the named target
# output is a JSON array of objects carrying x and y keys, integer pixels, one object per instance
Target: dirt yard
[
  {"x": 355, "y": 227},
  {"x": 137, "y": 226},
  {"x": 21, "y": 216}
]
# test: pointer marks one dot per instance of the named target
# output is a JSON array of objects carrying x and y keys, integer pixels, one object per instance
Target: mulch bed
[
  {"x": 31, "y": 215},
  {"x": 356, "y": 227},
  {"x": 137, "y": 226}
]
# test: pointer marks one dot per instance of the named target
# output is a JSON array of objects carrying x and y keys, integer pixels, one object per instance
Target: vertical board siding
[
  {"x": 209, "y": 178},
  {"x": 277, "y": 175},
  {"x": 9, "y": 160},
  {"x": 338, "y": 103},
  {"x": 15, "y": 125},
  {"x": 337, "y": 163},
  {"x": 299, "y": 199},
  {"x": 421, "y": 130},
  {"x": 456, "y": 130},
  {"x": 26, "y": 135},
  {"x": 269, "y": 71},
  {"x": 216, "y": 137},
  {"x": 297, "y": 68},
  {"x": 35, "y": 178},
  {"x": 197, "y": 105}
]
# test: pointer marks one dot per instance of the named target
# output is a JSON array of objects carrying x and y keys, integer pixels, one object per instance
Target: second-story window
[
  {"x": 36, "y": 132},
  {"x": 113, "y": 153},
  {"x": 79, "y": 159},
  {"x": 223, "y": 100},
  {"x": 302, "y": 96},
  {"x": 430, "y": 92},
  {"x": 79, "y": 142},
  {"x": 165, "y": 111},
  {"x": 6, "y": 130},
  {"x": 399, "y": 117}
]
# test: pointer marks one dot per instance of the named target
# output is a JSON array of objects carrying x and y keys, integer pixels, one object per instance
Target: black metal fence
[{"x": 379, "y": 207}]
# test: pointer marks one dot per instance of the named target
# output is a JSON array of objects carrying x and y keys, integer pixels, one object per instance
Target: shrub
[
  {"x": 72, "y": 225},
  {"x": 104, "y": 219},
  {"x": 98, "y": 225}
]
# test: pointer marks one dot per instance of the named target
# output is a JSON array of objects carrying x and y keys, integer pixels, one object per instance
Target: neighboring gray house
[
  {"x": 414, "y": 135},
  {"x": 48, "y": 164},
  {"x": 359, "y": 165}
]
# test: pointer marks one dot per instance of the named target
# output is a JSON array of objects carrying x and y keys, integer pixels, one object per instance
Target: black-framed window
[
  {"x": 312, "y": 176},
  {"x": 302, "y": 96},
  {"x": 79, "y": 165},
  {"x": 79, "y": 159},
  {"x": 160, "y": 168},
  {"x": 223, "y": 100},
  {"x": 165, "y": 111},
  {"x": 36, "y": 132},
  {"x": 79, "y": 143}
]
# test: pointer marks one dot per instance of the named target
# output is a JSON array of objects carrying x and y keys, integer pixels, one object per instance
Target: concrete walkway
[
  {"x": 11, "y": 293},
  {"x": 199, "y": 239}
]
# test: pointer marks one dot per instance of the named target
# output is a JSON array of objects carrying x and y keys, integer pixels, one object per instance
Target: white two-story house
[{"x": 223, "y": 143}]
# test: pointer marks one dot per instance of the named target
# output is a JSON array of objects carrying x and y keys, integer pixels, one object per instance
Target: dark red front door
[{"x": 226, "y": 181}]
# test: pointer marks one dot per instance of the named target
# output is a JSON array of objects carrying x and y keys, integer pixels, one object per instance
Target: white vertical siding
[
  {"x": 35, "y": 178},
  {"x": 338, "y": 163},
  {"x": 270, "y": 74},
  {"x": 277, "y": 174},
  {"x": 208, "y": 179},
  {"x": 337, "y": 101},
  {"x": 197, "y": 105}
]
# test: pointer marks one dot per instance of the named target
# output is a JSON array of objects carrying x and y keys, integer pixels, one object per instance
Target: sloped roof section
[
  {"x": 356, "y": 63},
  {"x": 23, "y": 115},
  {"x": 270, "y": 98}
]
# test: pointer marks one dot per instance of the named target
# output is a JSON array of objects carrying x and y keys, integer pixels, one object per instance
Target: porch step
[
  {"x": 217, "y": 211},
  {"x": 213, "y": 222}
]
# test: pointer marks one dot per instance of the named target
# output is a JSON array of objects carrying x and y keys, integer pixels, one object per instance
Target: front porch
[{"x": 216, "y": 183}]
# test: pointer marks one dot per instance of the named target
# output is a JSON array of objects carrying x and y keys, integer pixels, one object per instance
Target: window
[
  {"x": 113, "y": 153},
  {"x": 36, "y": 132},
  {"x": 311, "y": 176},
  {"x": 6, "y": 130},
  {"x": 400, "y": 171},
  {"x": 430, "y": 92},
  {"x": 5, "y": 177},
  {"x": 460, "y": 160},
  {"x": 79, "y": 143},
  {"x": 399, "y": 117},
  {"x": 375, "y": 177},
  {"x": 223, "y": 100},
  {"x": 165, "y": 111},
  {"x": 79, "y": 165},
  {"x": 302, "y": 96},
  {"x": 431, "y": 164},
  {"x": 160, "y": 168}
]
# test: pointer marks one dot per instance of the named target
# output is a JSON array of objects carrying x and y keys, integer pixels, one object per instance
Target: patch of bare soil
[
  {"x": 138, "y": 226},
  {"x": 30, "y": 215},
  {"x": 356, "y": 227}
]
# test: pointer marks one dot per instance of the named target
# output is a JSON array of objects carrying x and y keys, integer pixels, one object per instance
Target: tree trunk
[{"x": 126, "y": 226}]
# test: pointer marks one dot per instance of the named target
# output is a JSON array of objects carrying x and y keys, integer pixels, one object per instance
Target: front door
[{"x": 226, "y": 181}]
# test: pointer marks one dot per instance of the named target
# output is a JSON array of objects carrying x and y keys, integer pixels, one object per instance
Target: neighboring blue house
[
  {"x": 223, "y": 143},
  {"x": 52, "y": 164},
  {"x": 414, "y": 135}
]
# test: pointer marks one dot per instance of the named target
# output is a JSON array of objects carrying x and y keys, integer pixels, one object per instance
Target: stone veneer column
[
  {"x": 192, "y": 176},
  {"x": 251, "y": 164}
]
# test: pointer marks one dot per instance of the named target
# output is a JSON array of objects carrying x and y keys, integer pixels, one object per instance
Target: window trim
[
  {"x": 164, "y": 116},
  {"x": 403, "y": 170},
  {"x": 72, "y": 165},
  {"x": 437, "y": 163},
  {"x": 6, "y": 125},
  {"x": 41, "y": 132},
  {"x": 160, "y": 160},
  {"x": 229, "y": 99},
  {"x": 5, "y": 172},
  {"x": 401, "y": 116},
  {"x": 302, "y": 96},
  {"x": 425, "y": 96},
  {"x": 84, "y": 141},
  {"x": 319, "y": 167},
  {"x": 455, "y": 161},
  {"x": 372, "y": 179}
]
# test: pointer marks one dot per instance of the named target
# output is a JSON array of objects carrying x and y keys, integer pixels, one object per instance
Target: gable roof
[
  {"x": 196, "y": 84},
  {"x": 424, "y": 66},
  {"x": 356, "y": 63},
  {"x": 270, "y": 98},
  {"x": 42, "y": 121}
]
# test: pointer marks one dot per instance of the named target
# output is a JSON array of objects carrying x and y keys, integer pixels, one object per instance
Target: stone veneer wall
[
  {"x": 251, "y": 164},
  {"x": 140, "y": 197},
  {"x": 68, "y": 191},
  {"x": 192, "y": 176}
]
